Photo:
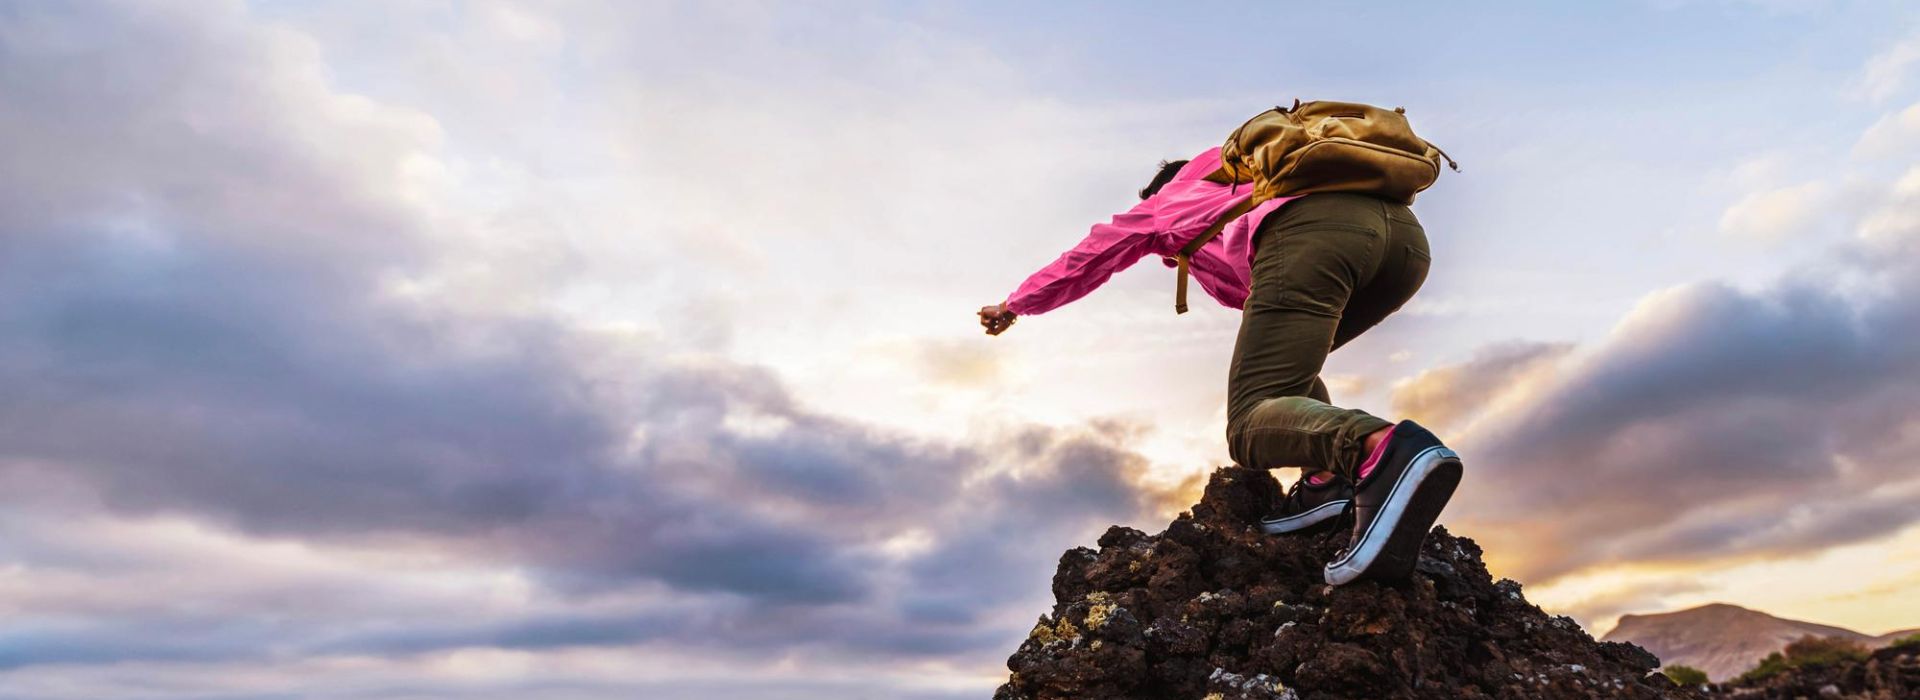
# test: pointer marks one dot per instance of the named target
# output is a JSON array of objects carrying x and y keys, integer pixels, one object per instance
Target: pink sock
[
  {"x": 1319, "y": 478},
  {"x": 1374, "y": 459}
]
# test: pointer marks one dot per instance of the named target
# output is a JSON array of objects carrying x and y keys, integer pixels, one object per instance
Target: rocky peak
[{"x": 1213, "y": 608}]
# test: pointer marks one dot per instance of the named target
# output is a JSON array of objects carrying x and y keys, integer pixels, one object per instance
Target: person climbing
[{"x": 1310, "y": 266}]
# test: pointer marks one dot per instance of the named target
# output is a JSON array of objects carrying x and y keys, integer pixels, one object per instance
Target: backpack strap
[{"x": 1193, "y": 246}]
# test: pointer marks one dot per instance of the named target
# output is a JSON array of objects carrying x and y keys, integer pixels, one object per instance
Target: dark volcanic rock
[
  {"x": 1212, "y": 608},
  {"x": 1892, "y": 673}
]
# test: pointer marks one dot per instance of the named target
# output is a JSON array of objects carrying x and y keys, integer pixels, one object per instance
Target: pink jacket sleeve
[{"x": 1107, "y": 249}]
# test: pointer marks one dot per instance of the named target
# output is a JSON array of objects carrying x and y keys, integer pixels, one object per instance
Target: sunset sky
[{"x": 428, "y": 349}]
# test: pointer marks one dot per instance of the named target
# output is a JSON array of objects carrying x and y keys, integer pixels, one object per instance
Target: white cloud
[
  {"x": 1886, "y": 72},
  {"x": 1894, "y": 135},
  {"x": 1764, "y": 170},
  {"x": 1773, "y": 215},
  {"x": 1891, "y": 229}
]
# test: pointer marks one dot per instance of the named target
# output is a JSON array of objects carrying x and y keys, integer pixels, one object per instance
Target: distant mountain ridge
[{"x": 1725, "y": 640}]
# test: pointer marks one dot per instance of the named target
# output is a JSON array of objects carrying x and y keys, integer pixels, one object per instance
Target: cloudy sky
[{"x": 423, "y": 349}]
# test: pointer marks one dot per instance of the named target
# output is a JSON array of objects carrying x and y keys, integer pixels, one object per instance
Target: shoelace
[{"x": 1296, "y": 497}]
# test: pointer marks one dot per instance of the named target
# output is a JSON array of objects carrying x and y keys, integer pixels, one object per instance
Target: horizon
[{"x": 486, "y": 349}]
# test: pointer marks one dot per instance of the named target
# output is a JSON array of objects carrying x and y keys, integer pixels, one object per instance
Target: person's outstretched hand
[{"x": 996, "y": 318}]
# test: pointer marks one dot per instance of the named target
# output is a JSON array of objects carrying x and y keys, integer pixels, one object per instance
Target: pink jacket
[{"x": 1159, "y": 225}]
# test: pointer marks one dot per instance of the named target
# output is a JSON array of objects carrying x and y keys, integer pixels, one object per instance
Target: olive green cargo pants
[{"x": 1327, "y": 268}]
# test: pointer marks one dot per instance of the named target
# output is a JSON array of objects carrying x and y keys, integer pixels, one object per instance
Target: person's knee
[
  {"x": 1240, "y": 433},
  {"x": 1264, "y": 436},
  {"x": 1236, "y": 444}
]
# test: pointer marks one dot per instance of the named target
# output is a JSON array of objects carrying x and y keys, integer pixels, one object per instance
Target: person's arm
[{"x": 1107, "y": 249}]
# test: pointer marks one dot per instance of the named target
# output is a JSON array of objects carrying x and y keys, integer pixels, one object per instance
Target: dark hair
[{"x": 1168, "y": 169}]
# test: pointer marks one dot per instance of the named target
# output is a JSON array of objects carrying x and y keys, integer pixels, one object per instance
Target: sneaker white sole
[
  {"x": 1391, "y": 544},
  {"x": 1314, "y": 516}
]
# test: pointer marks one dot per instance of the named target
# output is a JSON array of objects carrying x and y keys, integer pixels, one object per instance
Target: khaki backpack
[{"x": 1319, "y": 147}]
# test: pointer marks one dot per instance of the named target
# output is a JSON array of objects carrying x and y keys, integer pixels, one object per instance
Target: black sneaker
[
  {"x": 1308, "y": 506},
  {"x": 1395, "y": 506}
]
